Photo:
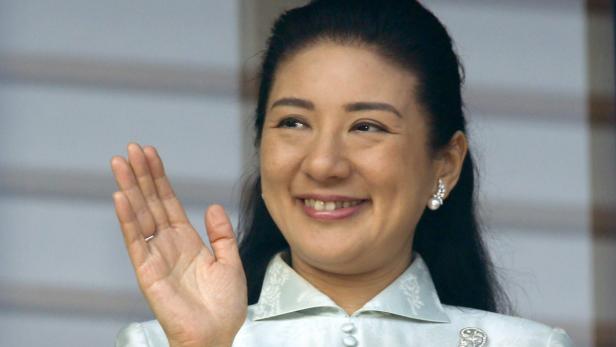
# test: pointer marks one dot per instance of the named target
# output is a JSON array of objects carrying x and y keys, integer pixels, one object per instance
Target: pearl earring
[{"x": 436, "y": 200}]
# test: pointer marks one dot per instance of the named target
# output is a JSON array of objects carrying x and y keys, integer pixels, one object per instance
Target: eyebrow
[
  {"x": 369, "y": 106},
  {"x": 297, "y": 102},
  {"x": 351, "y": 107}
]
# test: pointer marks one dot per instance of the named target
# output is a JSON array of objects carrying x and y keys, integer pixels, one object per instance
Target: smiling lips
[
  {"x": 330, "y": 208},
  {"x": 320, "y": 205}
]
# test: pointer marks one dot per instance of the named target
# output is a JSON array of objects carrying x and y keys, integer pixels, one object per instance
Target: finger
[
  {"x": 140, "y": 167},
  {"x": 222, "y": 238},
  {"x": 127, "y": 183},
  {"x": 175, "y": 211},
  {"x": 134, "y": 239}
]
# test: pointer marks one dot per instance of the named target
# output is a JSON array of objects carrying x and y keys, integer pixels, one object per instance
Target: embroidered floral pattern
[
  {"x": 411, "y": 295},
  {"x": 411, "y": 289},
  {"x": 269, "y": 300}
]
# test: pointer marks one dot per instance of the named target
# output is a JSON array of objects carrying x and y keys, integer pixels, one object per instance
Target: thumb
[{"x": 221, "y": 236}]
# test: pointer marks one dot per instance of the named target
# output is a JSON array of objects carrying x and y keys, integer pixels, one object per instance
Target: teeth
[{"x": 329, "y": 205}]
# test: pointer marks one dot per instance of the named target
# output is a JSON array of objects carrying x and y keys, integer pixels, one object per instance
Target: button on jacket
[{"x": 291, "y": 312}]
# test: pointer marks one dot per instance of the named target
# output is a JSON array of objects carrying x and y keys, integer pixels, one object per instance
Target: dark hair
[{"x": 407, "y": 34}]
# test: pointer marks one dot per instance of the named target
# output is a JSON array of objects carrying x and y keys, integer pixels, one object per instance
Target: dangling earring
[{"x": 436, "y": 200}]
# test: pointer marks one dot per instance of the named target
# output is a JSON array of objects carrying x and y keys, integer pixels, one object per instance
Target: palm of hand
[{"x": 198, "y": 297}]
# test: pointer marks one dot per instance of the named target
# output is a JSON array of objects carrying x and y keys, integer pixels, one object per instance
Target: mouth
[
  {"x": 331, "y": 208},
  {"x": 320, "y": 205}
]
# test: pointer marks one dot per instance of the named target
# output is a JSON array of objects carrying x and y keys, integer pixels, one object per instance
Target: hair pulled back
[{"x": 407, "y": 34}]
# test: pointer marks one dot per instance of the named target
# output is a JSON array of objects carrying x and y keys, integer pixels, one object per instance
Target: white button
[
  {"x": 348, "y": 328},
  {"x": 349, "y": 341}
]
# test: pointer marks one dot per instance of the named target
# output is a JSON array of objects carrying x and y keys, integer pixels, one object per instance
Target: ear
[{"x": 449, "y": 162}]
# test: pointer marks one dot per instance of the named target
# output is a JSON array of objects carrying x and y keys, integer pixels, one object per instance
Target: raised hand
[{"x": 198, "y": 297}]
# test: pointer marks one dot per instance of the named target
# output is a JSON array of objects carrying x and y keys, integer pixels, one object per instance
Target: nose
[{"x": 326, "y": 159}]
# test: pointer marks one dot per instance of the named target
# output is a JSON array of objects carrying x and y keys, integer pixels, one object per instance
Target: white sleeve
[
  {"x": 147, "y": 334},
  {"x": 559, "y": 338}
]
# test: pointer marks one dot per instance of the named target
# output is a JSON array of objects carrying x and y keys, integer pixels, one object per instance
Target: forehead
[{"x": 333, "y": 73}]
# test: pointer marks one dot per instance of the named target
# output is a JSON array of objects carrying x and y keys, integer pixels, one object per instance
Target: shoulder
[
  {"x": 503, "y": 330},
  {"x": 145, "y": 334},
  {"x": 151, "y": 334},
  {"x": 497, "y": 329}
]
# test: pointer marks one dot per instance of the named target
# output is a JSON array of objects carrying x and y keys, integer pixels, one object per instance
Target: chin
[{"x": 328, "y": 256}]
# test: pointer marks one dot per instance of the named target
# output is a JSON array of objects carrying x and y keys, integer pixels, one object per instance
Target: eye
[
  {"x": 291, "y": 122},
  {"x": 368, "y": 127}
]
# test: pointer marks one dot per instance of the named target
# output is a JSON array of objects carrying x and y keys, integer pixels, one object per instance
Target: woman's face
[{"x": 345, "y": 167}]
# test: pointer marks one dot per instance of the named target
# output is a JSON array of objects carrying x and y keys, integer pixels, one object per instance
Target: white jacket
[{"x": 291, "y": 312}]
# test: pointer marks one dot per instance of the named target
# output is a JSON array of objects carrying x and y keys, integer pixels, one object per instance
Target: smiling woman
[
  {"x": 343, "y": 143},
  {"x": 359, "y": 227}
]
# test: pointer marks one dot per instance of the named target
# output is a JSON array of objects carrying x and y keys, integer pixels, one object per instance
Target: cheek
[
  {"x": 395, "y": 162},
  {"x": 278, "y": 162},
  {"x": 399, "y": 176},
  {"x": 269, "y": 162}
]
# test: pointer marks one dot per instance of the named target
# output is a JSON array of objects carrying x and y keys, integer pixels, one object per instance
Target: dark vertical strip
[{"x": 601, "y": 41}]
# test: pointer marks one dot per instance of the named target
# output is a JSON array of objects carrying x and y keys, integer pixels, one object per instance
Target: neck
[{"x": 352, "y": 291}]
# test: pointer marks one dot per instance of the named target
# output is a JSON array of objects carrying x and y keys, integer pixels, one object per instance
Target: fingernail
[
  {"x": 216, "y": 214},
  {"x": 134, "y": 145}
]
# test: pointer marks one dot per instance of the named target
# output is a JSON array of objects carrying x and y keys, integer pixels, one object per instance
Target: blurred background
[{"x": 80, "y": 79}]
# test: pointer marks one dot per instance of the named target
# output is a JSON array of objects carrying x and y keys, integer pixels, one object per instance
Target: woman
[{"x": 359, "y": 229}]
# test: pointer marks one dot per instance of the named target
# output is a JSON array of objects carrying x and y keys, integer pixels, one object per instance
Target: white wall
[{"x": 63, "y": 262}]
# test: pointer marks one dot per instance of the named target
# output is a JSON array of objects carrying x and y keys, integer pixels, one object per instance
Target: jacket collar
[{"x": 412, "y": 295}]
